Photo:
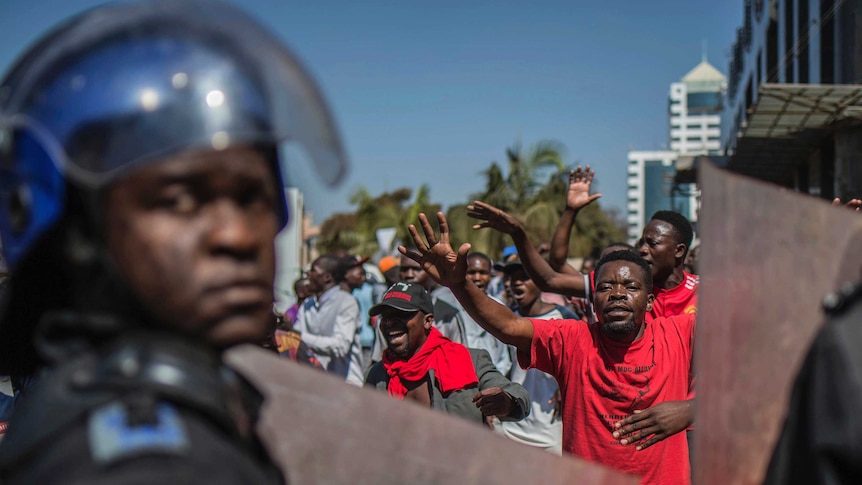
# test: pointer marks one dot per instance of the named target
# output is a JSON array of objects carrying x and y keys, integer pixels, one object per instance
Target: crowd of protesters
[{"x": 595, "y": 361}]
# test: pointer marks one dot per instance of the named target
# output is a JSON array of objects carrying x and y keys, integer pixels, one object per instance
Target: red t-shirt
[
  {"x": 603, "y": 381},
  {"x": 679, "y": 300}
]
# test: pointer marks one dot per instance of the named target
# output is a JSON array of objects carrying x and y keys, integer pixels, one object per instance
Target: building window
[
  {"x": 803, "y": 30},
  {"x": 827, "y": 43},
  {"x": 772, "y": 51},
  {"x": 788, "y": 41}
]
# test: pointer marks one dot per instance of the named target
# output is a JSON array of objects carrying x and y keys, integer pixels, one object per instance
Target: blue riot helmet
[{"x": 128, "y": 84}]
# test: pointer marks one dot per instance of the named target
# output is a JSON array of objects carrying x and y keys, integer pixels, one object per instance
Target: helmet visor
[{"x": 131, "y": 83}]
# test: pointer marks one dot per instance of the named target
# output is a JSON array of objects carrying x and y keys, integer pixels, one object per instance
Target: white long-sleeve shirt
[{"x": 330, "y": 327}]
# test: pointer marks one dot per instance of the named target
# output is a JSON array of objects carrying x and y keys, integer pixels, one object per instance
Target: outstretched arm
[
  {"x": 539, "y": 270},
  {"x": 577, "y": 197},
  {"x": 448, "y": 268}
]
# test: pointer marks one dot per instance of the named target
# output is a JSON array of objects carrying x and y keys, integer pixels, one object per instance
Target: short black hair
[
  {"x": 620, "y": 244},
  {"x": 333, "y": 265},
  {"x": 682, "y": 226},
  {"x": 631, "y": 256},
  {"x": 617, "y": 244},
  {"x": 481, "y": 256}
]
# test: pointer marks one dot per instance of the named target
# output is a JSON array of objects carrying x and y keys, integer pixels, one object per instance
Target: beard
[{"x": 618, "y": 328}]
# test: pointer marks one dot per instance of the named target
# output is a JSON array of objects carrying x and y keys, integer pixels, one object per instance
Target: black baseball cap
[
  {"x": 353, "y": 261},
  {"x": 510, "y": 265},
  {"x": 404, "y": 296}
]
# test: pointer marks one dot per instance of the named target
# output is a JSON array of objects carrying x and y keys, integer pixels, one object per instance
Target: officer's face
[{"x": 193, "y": 238}]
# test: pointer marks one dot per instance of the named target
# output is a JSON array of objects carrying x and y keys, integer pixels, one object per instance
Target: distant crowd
[{"x": 595, "y": 360}]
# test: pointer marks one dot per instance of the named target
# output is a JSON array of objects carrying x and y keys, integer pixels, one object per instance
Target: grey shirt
[
  {"x": 460, "y": 403},
  {"x": 475, "y": 336},
  {"x": 330, "y": 327}
]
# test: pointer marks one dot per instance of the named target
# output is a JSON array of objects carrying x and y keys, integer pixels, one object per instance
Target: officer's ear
[{"x": 429, "y": 321}]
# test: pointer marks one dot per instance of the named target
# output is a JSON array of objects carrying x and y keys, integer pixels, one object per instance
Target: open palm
[
  {"x": 578, "y": 195},
  {"x": 492, "y": 217},
  {"x": 436, "y": 254}
]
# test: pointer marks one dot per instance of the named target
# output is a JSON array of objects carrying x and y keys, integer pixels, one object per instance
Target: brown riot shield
[
  {"x": 768, "y": 257},
  {"x": 321, "y": 430}
]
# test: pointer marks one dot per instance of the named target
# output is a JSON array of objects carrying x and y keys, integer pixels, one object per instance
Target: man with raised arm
[
  {"x": 607, "y": 371},
  {"x": 664, "y": 245}
]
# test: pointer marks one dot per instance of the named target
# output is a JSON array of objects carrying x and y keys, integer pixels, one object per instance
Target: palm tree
[
  {"x": 521, "y": 193},
  {"x": 391, "y": 209},
  {"x": 537, "y": 205},
  {"x": 520, "y": 185}
]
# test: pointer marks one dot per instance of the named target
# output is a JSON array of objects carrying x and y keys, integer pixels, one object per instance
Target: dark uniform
[
  {"x": 146, "y": 409},
  {"x": 821, "y": 442},
  {"x": 121, "y": 331}
]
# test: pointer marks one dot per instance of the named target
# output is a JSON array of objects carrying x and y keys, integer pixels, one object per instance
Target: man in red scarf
[{"x": 422, "y": 365}]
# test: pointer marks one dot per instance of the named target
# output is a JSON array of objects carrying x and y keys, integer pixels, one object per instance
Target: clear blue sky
[{"x": 432, "y": 92}]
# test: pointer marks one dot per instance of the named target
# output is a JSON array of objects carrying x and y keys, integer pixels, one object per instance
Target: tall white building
[
  {"x": 650, "y": 188},
  {"x": 695, "y": 111},
  {"x": 694, "y": 108}
]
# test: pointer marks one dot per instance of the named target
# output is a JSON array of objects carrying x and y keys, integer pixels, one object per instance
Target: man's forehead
[
  {"x": 396, "y": 313},
  {"x": 657, "y": 228},
  {"x": 620, "y": 269},
  {"x": 237, "y": 162},
  {"x": 409, "y": 263}
]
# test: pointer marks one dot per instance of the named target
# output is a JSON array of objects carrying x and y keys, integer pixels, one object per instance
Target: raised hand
[
  {"x": 647, "y": 427},
  {"x": 578, "y": 196},
  {"x": 492, "y": 217},
  {"x": 436, "y": 255}
]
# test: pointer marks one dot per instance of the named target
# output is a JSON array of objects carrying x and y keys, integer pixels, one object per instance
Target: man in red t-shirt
[
  {"x": 620, "y": 366},
  {"x": 664, "y": 245}
]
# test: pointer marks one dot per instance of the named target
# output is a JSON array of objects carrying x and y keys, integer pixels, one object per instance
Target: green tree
[
  {"x": 537, "y": 205},
  {"x": 357, "y": 232}
]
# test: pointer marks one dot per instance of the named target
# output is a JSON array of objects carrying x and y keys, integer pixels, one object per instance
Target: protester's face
[
  {"x": 659, "y": 248},
  {"x": 507, "y": 290},
  {"x": 412, "y": 272},
  {"x": 355, "y": 276},
  {"x": 303, "y": 290},
  {"x": 524, "y": 291},
  {"x": 621, "y": 298},
  {"x": 193, "y": 235},
  {"x": 479, "y": 272},
  {"x": 318, "y": 278},
  {"x": 404, "y": 332}
]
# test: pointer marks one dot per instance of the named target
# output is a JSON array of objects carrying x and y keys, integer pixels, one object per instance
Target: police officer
[
  {"x": 140, "y": 193},
  {"x": 821, "y": 441}
]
